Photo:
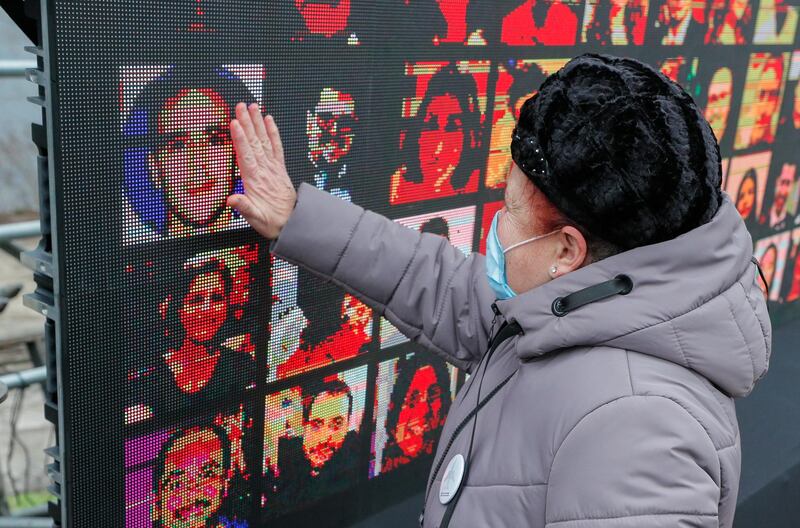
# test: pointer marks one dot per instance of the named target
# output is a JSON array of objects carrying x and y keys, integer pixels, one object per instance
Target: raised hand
[{"x": 269, "y": 195}]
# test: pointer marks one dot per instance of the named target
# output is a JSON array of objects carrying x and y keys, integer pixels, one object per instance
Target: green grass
[{"x": 28, "y": 500}]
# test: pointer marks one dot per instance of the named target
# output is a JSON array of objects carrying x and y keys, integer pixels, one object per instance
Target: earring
[{"x": 553, "y": 270}]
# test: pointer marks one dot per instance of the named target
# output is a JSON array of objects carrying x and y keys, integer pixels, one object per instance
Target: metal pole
[
  {"x": 12, "y": 249},
  {"x": 19, "y": 230},
  {"x": 25, "y": 522},
  {"x": 15, "y": 68},
  {"x": 24, "y": 378},
  {"x": 40, "y": 510}
]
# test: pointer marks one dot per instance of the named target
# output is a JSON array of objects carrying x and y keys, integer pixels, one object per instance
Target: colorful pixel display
[{"x": 206, "y": 383}]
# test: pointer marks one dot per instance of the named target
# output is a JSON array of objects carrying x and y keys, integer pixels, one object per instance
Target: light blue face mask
[{"x": 496, "y": 260}]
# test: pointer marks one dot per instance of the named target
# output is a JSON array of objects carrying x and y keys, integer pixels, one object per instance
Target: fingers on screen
[
  {"x": 244, "y": 153},
  {"x": 275, "y": 137},
  {"x": 244, "y": 117},
  {"x": 260, "y": 129},
  {"x": 242, "y": 204}
]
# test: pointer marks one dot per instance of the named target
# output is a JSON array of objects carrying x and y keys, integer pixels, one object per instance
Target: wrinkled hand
[{"x": 269, "y": 193}]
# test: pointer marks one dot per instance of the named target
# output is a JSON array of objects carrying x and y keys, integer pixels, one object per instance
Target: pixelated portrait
[
  {"x": 440, "y": 142},
  {"x": 541, "y": 22},
  {"x": 428, "y": 23},
  {"x": 782, "y": 194},
  {"x": 190, "y": 475},
  {"x": 713, "y": 90},
  {"x": 179, "y": 164},
  {"x": 728, "y": 22},
  {"x": 194, "y": 341},
  {"x": 746, "y": 184},
  {"x": 328, "y": 127},
  {"x": 516, "y": 82},
  {"x": 776, "y": 22},
  {"x": 412, "y": 399},
  {"x": 316, "y": 24},
  {"x": 763, "y": 90},
  {"x": 678, "y": 22},
  {"x": 313, "y": 434},
  {"x": 489, "y": 210},
  {"x": 615, "y": 22},
  {"x": 457, "y": 226},
  {"x": 677, "y": 69},
  {"x": 313, "y": 323},
  {"x": 790, "y": 290},
  {"x": 771, "y": 253}
]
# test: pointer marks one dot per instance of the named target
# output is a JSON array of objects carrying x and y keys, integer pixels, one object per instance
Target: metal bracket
[
  {"x": 39, "y": 261},
  {"x": 38, "y": 302}
]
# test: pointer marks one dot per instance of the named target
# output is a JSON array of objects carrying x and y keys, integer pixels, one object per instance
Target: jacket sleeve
[
  {"x": 638, "y": 461},
  {"x": 421, "y": 283}
]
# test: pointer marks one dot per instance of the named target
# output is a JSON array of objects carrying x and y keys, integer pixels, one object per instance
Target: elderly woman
[{"x": 613, "y": 320}]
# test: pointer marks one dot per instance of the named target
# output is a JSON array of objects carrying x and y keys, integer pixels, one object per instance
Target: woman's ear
[{"x": 573, "y": 250}]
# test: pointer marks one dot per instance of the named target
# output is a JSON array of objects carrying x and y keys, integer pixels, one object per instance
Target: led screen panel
[{"x": 204, "y": 382}]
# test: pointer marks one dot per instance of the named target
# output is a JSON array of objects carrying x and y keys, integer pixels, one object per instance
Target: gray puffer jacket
[{"x": 618, "y": 414}]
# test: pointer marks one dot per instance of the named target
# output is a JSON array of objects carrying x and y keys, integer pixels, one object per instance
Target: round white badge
[{"x": 452, "y": 479}]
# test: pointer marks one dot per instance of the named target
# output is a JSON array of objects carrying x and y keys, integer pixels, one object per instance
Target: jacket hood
[{"x": 695, "y": 301}]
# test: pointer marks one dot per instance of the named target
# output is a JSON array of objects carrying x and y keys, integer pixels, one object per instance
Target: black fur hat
[{"x": 621, "y": 150}]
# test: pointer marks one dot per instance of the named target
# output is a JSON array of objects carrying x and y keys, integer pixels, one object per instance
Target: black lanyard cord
[
  {"x": 754, "y": 260},
  {"x": 506, "y": 331},
  {"x": 461, "y": 425}
]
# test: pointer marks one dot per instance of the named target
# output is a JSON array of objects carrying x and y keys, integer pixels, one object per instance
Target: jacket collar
[{"x": 692, "y": 274}]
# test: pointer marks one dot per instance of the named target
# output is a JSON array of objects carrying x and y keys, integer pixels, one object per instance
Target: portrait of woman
[
  {"x": 746, "y": 197},
  {"x": 418, "y": 407},
  {"x": 792, "y": 282},
  {"x": 747, "y": 182},
  {"x": 768, "y": 262},
  {"x": 615, "y": 22},
  {"x": 772, "y": 253},
  {"x": 196, "y": 368},
  {"x": 441, "y": 147}
]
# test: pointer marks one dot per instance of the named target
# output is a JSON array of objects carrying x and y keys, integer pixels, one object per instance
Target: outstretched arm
[{"x": 420, "y": 282}]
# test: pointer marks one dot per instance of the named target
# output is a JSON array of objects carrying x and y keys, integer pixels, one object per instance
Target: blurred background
[{"x": 24, "y": 433}]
